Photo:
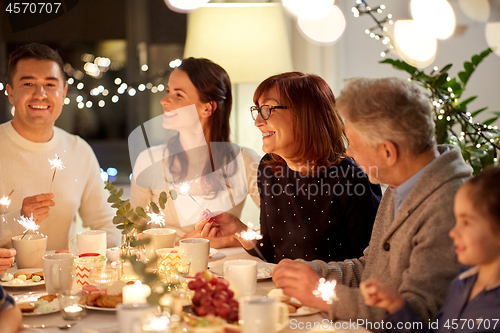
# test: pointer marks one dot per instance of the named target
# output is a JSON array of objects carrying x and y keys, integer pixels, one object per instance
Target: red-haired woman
[{"x": 316, "y": 203}]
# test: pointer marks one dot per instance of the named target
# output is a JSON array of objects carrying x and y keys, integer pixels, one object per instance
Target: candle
[
  {"x": 136, "y": 293},
  {"x": 72, "y": 312}
]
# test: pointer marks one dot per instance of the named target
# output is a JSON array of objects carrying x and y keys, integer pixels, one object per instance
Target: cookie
[
  {"x": 27, "y": 307},
  {"x": 26, "y": 273},
  {"x": 48, "y": 298},
  {"x": 40, "y": 274}
]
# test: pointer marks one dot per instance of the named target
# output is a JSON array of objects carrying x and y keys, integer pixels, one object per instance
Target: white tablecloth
[{"x": 106, "y": 322}]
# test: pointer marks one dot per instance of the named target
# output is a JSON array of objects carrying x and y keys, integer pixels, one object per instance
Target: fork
[{"x": 61, "y": 327}]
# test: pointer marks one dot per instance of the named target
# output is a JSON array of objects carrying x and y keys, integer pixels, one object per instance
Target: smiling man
[
  {"x": 37, "y": 88},
  {"x": 390, "y": 129}
]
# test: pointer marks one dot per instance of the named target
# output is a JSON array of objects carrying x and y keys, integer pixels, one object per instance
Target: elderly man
[
  {"x": 37, "y": 88},
  {"x": 390, "y": 130}
]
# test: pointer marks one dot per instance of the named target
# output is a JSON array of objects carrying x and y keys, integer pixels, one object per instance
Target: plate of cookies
[
  {"x": 35, "y": 305},
  {"x": 24, "y": 277},
  {"x": 102, "y": 299}
]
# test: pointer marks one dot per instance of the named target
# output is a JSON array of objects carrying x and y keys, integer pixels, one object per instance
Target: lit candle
[
  {"x": 136, "y": 293},
  {"x": 72, "y": 312}
]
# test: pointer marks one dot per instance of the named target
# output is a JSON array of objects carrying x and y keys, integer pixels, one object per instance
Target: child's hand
[{"x": 381, "y": 295}]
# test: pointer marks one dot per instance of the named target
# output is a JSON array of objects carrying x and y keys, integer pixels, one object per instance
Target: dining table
[{"x": 97, "y": 321}]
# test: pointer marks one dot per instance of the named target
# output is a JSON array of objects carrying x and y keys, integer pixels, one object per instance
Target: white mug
[
  {"x": 195, "y": 251},
  {"x": 58, "y": 272},
  {"x": 262, "y": 314},
  {"x": 242, "y": 276},
  {"x": 130, "y": 316},
  {"x": 89, "y": 241},
  {"x": 159, "y": 238},
  {"x": 30, "y": 250}
]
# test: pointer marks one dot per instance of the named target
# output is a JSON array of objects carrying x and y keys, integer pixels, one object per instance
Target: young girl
[{"x": 473, "y": 301}]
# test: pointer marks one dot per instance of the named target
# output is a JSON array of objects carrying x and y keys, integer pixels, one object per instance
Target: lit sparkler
[
  {"x": 251, "y": 234},
  {"x": 184, "y": 190},
  {"x": 326, "y": 290},
  {"x": 5, "y": 201},
  {"x": 55, "y": 164},
  {"x": 158, "y": 219},
  {"x": 29, "y": 224}
]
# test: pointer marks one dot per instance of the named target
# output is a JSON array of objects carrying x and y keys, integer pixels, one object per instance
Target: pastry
[
  {"x": 25, "y": 273},
  {"x": 40, "y": 274},
  {"x": 27, "y": 307},
  {"x": 48, "y": 298}
]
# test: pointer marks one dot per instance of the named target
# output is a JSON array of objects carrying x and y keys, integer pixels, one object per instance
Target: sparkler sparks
[
  {"x": 184, "y": 190},
  {"x": 55, "y": 164},
  {"x": 158, "y": 219},
  {"x": 5, "y": 201},
  {"x": 29, "y": 224},
  {"x": 326, "y": 290},
  {"x": 250, "y": 234}
]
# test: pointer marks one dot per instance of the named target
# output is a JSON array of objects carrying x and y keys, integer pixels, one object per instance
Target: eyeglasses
[{"x": 264, "y": 110}]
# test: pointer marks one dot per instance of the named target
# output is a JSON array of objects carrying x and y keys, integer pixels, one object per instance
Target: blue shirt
[
  {"x": 401, "y": 192},
  {"x": 6, "y": 301}
]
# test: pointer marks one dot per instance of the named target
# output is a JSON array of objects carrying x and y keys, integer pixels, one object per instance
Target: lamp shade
[{"x": 249, "y": 41}]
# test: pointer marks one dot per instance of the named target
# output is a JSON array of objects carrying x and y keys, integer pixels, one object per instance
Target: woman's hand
[
  {"x": 215, "y": 225},
  {"x": 298, "y": 280},
  {"x": 381, "y": 295},
  {"x": 216, "y": 243}
]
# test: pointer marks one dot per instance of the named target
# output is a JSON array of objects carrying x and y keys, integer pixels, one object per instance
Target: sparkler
[
  {"x": 251, "y": 234},
  {"x": 28, "y": 224},
  {"x": 5, "y": 202},
  {"x": 184, "y": 190},
  {"x": 326, "y": 290},
  {"x": 158, "y": 219},
  {"x": 55, "y": 164}
]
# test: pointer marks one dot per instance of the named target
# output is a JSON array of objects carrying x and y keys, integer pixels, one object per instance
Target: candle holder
[
  {"x": 103, "y": 276},
  {"x": 71, "y": 307}
]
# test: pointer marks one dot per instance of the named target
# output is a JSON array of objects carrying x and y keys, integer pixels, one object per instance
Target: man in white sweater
[{"x": 37, "y": 88}]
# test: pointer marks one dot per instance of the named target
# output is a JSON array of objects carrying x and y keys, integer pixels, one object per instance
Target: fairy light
[{"x": 326, "y": 290}]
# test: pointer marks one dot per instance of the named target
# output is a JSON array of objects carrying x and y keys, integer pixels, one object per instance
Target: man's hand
[
  {"x": 38, "y": 205},
  {"x": 298, "y": 280},
  {"x": 216, "y": 243},
  {"x": 6, "y": 259},
  {"x": 221, "y": 225},
  {"x": 381, "y": 295}
]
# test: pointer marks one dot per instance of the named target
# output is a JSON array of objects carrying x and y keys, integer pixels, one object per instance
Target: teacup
[
  {"x": 58, "y": 272},
  {"x": 159, "y": 238},
  {"x": 89, "y": 241},
  {"x": 262, "y": 314},
  {"x": 29, "y": 250}
]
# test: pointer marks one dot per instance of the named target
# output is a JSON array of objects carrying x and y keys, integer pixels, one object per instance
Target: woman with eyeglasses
[
  {"x": 316, "y": 203},
  {"x": 197, "y": 161}
]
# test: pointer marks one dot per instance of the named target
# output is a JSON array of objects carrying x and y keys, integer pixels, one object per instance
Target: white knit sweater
[{"x": 24, "y": 168}]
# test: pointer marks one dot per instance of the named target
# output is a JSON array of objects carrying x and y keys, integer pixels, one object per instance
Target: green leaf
[
  {"x": 154, "y": 208},
  {"x": 173, "y": 194},
  {"x": 441, "y": 80},
  {"x": 121, "y": 226},
  {"x": 469, "y": 67},
  {"x": 490, "y": 121},
  {"x": 463, "y": 77},
  {"x": 119, "y": 193},
  {"x": 401, "y": 65},
  {"x": 462, "y": 105},
  {"x": 140, "y": 211},
  {"x": 162, "y": 199},
  {"x": 475, "y": 113},
  {"x": 445, "y": 68},
  {"x": 113, "y": 198},
  {"x": 119, "y": 219},
  {"x": 476, "y": 60}
]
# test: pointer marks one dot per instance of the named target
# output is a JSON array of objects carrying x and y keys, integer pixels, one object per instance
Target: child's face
[{"x": 475, "y": 241}]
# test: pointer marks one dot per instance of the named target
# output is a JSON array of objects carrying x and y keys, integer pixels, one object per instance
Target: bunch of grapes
[{"x": 212, "y": 296}]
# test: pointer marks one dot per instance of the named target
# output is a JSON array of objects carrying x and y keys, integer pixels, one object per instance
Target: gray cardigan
[{"x": 411, "y": 251}]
